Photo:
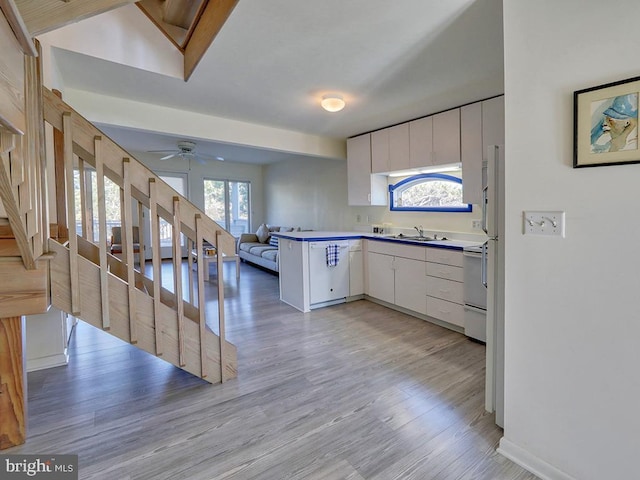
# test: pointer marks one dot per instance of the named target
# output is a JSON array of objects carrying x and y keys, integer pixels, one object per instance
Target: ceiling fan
[{"x": 186, "y": 150}]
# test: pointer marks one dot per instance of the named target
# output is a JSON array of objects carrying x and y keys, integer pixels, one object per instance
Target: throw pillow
[
  {"x": 273, "y": 241},
  {"x": 262, "y": 233}
]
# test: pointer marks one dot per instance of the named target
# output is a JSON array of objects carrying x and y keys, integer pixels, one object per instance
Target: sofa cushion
[
  {"x": 247, "y": 246},
  {"x": 273, "y": 241},
  {"x": 270, "y": 255},
  {"x": 258, "y": 251},
  {"x": 263, "y": 233}
]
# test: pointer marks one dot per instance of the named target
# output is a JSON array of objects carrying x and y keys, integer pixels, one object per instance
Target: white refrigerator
[{"x": 493, "y": 277}]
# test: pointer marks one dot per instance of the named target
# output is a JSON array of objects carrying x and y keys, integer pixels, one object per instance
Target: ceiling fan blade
[
  {"x": 169, "y": 156},
  {"x": 163, "y": 151},
  {"x": 210, "y": 157}
]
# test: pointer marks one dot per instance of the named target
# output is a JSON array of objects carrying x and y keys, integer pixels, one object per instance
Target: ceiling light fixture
[{"x": 332, "y": 102}]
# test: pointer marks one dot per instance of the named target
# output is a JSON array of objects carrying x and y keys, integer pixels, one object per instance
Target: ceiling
[{"x": 274, "y": 59}]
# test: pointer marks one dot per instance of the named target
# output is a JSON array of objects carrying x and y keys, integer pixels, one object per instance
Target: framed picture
[{"x": 605, "y": 124}]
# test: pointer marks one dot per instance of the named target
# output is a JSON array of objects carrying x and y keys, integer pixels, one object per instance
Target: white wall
[
  {"x": 572, "y": 325},
  {"x": 197, "y": 172},
  {"x": 313, "y": 194}
]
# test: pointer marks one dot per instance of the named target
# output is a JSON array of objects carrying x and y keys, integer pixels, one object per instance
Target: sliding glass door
[{"x": 228, "y": 202}]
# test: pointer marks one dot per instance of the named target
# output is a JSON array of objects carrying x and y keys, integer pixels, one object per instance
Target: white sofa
[{"x": 261, "y": 248}]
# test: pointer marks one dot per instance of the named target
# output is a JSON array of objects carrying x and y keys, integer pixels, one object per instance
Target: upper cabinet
[
  {"x": 457, "y": 135},
  {"x": 482, "y": 125},
  {"x": 435, "y": 140},
  {"x": 446, "y": 137},
  {"x": 390, "y": 149},
  {"x": 421, "y": 142},
  {"x": 363, "y": 188},
  {"x": 471, "y": 152},
  {"x": 492, "y": 123}
]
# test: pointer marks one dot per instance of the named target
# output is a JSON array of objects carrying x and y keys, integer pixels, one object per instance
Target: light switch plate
[{"x": 543, "y": 223}]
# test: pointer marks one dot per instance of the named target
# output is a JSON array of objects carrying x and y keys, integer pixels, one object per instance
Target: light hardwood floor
[{"x": 354, "y": 391}]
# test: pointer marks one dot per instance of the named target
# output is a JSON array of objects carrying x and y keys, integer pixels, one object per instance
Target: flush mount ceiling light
[{"x": 332, "y": 102}]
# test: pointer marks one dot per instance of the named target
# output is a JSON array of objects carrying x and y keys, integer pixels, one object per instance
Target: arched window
[{"x": 428, "y": 192}]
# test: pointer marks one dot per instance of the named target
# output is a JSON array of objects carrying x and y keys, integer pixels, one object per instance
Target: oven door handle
[{"x": 483, "y": 264}]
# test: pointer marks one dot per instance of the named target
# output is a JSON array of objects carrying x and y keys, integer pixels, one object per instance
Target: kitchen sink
[{"x": 413, "y": 238}]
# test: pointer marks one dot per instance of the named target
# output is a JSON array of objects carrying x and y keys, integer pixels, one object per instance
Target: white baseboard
[
  {"x": 50, "y": 361},
  {"x": 530, "y": 462}
]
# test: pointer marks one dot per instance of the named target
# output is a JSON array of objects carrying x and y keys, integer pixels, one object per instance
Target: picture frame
[{"x": 605, "y": 124}]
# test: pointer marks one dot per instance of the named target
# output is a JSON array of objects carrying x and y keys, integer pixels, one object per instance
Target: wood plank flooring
[{"x": 354, "y": 391}]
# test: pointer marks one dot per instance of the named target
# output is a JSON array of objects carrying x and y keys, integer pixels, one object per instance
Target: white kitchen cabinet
[
  {"x": 445, "y": 282},
  {"x": 481, "y": 125},
  {"x": 356, "y": 268},
  {"x": 396, "y": 274},
  {"x": 390, "y": 149},
  {"x": 380, "y": 151},
  {"x": 492, "y": 123},
  {"x": 449, "y": 312},
  {"x": 421, "y": 142},
  {"x": 446, "y": 137},
  {"x": 399, "y": 147},
  {"x": 410, "y": 284},
  {"x": 363, "y": 187},
  {"x": 381, "y": 278},
  {"x": 471, "y": 152}
]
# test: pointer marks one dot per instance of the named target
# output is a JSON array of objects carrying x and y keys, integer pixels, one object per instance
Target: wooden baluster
[
  {"x": 190, "y": 268},
  {"x": 61, "y": 204},
  {"x": 156, "y": 260},
  {"x": 201, "y": 305},
  {"x": 127, "y": 230},
  {"x": 67, "y": 123},
  {"x": 102, "y": 232},
  {"x": 177, "y": 277},
  {"x": 83, "y": 200},
  {"x": 221, "y": 325},
  {"x": 141, "y": 237},
  {"x": 89, "y": 213}
]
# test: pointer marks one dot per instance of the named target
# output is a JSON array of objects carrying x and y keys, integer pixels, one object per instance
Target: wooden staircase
[{"x": 112, "y": 294}]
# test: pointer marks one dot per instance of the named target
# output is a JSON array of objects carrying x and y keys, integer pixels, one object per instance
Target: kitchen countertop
[{"x": 320, "y": 236}]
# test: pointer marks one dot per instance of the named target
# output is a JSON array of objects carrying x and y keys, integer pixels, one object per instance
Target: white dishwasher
[{"x": 328, "y": 284}]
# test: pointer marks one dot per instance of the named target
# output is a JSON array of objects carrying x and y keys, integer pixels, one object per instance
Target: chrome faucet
[{"x": 420, "y": 230}]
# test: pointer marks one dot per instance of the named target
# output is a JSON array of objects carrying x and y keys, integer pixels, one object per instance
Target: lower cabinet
[
  {"x": 424, "y": 280},
  {"x": 410, "y": 284},
  {"x": 381, "y": 277},
  {"x": 396, "y": 275},
  {"x": 445, "y": 278}
]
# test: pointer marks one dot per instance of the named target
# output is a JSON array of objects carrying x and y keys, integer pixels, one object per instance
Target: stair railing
[{"x": 142, "y": 195}]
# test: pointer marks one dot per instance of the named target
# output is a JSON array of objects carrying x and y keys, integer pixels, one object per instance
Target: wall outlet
[{"x": 476, "y": 224}]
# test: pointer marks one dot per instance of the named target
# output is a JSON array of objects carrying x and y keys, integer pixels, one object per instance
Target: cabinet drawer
[
  {"x": 397, "y": 249},
  {"x": 446, "y": 311},
  {"x": 444, "y": 255},
  {"x": 445, "y": 271},
  {"x": 445, "y": 289}
]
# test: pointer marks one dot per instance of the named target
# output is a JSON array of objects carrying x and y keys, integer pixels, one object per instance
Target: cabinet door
[
  {"x": 410, "y": 284},
  {"x": 446, "y": 137},
  {"x": 399, "y": 147},
  {"x": 421, "y": 142},
  {"x": 492, "y": 123},
  {"x": 380, "y": 151},
  {"x": 363, "y": 188},
  {"x": 381, "y": 277},
  {"x": 471, "y": 152}
]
